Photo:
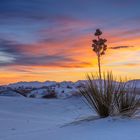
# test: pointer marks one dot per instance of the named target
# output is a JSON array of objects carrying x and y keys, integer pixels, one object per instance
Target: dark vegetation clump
[{"x": 50, "y": 96}]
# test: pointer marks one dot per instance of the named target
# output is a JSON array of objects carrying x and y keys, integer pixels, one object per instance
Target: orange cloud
[{"x": 73, "y": 58}]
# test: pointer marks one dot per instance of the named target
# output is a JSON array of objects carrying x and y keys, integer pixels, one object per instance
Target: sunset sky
[{"x": 51, "y": 39}]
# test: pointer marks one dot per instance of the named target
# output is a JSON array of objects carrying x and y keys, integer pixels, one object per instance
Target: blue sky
[{"x": 38, "y": 35}]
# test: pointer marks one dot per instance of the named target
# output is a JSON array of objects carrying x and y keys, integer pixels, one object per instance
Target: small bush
[
  {"x": 109, "y": 98},
  {"x": 32, "y": 96},
  {"x": 49, "y": 96}
]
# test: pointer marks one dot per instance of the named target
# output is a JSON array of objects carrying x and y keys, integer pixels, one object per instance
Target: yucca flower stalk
[{"x": 99, "y": 47}]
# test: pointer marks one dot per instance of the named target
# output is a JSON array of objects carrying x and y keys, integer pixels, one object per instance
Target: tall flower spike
[{"x": 99, "y": 47}]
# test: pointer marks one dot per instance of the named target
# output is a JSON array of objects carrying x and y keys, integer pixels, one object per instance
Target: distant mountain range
[{"x": 48, "y": 89}]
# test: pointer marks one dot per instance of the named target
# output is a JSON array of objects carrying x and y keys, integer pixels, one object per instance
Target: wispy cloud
[
  {"x": 121, "y": 47},
  {"x": 48, "y": 53}
]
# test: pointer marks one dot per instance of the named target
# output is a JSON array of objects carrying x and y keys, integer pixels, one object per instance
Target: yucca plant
[{"x": 109, "y": 98}]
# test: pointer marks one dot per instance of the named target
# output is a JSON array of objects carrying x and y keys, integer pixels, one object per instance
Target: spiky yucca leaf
[
  {"x": 99, "y": 93},
  {"x": 128, "y": 101}
]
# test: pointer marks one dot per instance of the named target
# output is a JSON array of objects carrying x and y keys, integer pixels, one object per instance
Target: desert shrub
[
  {"x": 49, "y": 96},
  {"x": 69, "y": 87},
  {"x": 109, "y": 98},
  {"x": 32, "y": 96}
]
